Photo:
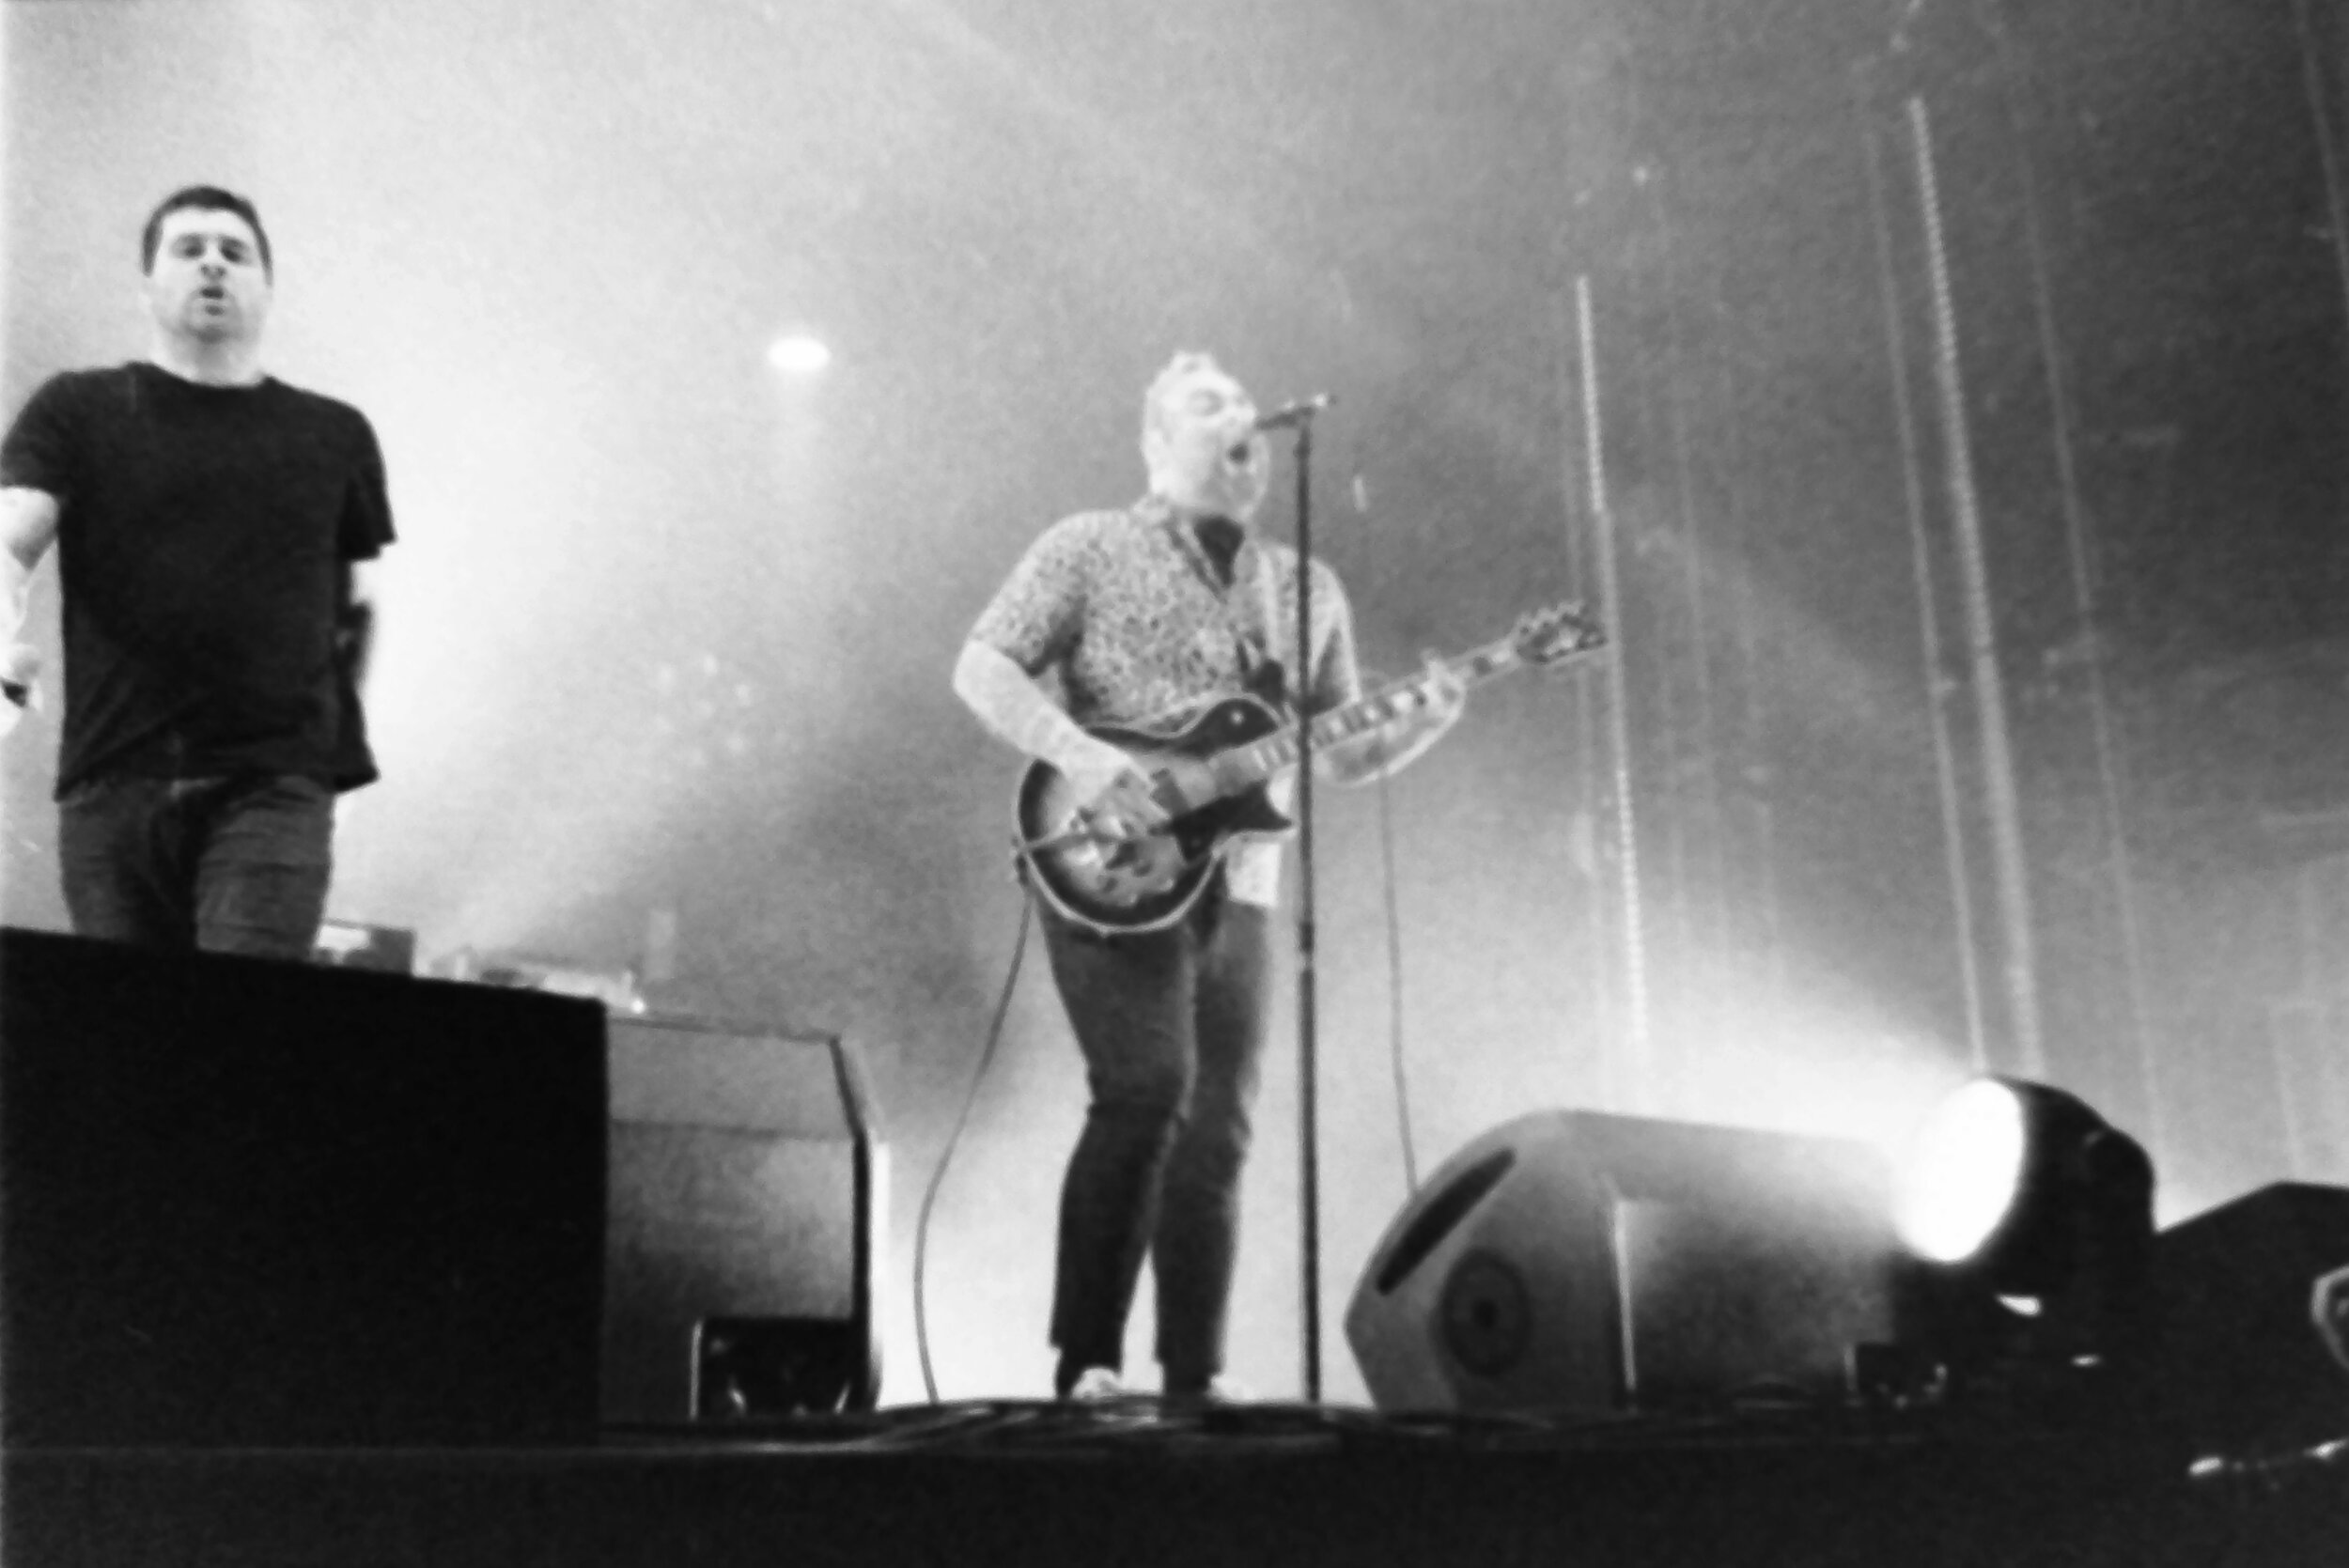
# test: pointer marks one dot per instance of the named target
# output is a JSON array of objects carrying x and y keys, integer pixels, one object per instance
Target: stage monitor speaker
[
  {"x": 748, "y": 1196},
  {"x": 273, "y": 1204},
  {"x": 1571, "y": 1262},
  {"x": 2244, "y": 1369}
]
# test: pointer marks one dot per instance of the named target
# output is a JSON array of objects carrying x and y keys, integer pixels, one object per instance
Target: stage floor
[{"x": 1132, "y": 1483}]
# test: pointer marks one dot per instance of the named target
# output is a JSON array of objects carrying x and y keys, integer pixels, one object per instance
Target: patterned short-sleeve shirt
[{"x": 1130, "y": 611}]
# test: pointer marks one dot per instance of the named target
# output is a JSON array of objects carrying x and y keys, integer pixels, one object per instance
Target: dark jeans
[
  {"x": 1172, "y": 1027},
  {"x": 236, "y": 865}
]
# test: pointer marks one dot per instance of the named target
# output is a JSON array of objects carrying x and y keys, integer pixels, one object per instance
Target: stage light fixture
[
  {"x": 2022, "y": 1184},
  {"x": 2034, "y": 1217}
]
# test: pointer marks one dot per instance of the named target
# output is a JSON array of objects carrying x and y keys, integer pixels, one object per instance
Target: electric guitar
[{"x": 1208, "y": 770}]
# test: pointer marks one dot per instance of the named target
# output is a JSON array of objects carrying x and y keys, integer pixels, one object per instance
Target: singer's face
[
  {"x": 207, "y": 282},
  {"x": 1203, "y": 448}
]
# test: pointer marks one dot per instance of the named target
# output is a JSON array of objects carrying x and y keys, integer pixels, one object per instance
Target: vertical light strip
[
  {"x": 2006, "y": 835},
  {"x": 1621, "y": 1095},
  {"x": 1938, "y": 687}
]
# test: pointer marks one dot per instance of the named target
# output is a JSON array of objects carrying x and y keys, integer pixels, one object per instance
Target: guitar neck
[{"x": 1267, "y": 756}]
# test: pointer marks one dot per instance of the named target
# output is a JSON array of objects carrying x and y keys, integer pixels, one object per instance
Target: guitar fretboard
[{"x": 1244, "y": 766}]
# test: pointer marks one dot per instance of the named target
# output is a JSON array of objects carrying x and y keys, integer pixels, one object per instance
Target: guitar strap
[
  {"x": 1242, "y": 578},
  {"x": 1261, "y": 671}
]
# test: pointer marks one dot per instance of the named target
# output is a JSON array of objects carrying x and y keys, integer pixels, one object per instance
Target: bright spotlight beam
[
  {"x": 1963, "y": 1171},
  {"x": 2018, "y": 1181}
]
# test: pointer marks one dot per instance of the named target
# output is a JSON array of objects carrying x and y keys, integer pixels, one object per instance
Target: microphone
[{"x": 1288, "y": 416}]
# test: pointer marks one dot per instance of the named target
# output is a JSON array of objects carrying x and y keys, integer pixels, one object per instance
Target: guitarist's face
[{"x": 1203, "y": 447}]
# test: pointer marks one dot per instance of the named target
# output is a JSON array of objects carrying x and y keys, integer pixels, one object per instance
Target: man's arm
[
  {"x": 28, "y": 525},
  {"x": 354, "y": 618},
  {"x": 1017, "y": 712}
]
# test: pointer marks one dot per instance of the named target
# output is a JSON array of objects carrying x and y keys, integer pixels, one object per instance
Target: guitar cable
[
  {"x": 1394, "y": 988},
  {"x": 1360, "y": 494},
  {"x": 946, "y": 1156}
]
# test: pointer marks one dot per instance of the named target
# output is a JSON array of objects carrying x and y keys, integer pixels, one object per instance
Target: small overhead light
[{"x": 799, "y": 354}]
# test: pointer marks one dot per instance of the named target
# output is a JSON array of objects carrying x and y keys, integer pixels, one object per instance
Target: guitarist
[{"x": 1137, "y": 613}]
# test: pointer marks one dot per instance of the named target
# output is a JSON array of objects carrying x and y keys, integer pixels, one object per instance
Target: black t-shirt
[{"x": 201, "y": 536}]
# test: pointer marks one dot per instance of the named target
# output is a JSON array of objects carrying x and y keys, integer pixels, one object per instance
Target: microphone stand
[{"x": 1309, "y": 1183}]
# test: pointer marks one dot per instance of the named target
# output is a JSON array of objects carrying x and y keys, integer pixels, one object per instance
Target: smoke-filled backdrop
[{"x": 1941, "y": 405}]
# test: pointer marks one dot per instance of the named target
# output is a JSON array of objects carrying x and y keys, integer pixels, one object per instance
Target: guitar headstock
[{"x": 1555, "y": 634}]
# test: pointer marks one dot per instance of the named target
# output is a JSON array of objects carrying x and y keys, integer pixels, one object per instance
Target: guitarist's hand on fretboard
[
  {"x": 1447, "y": 698},
  {"x": 1424, "y": 709}
]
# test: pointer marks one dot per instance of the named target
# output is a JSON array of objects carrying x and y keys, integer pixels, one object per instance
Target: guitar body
[
  {"x": 1137, "y": 885},
  {"x": 1210, "y": 769}
]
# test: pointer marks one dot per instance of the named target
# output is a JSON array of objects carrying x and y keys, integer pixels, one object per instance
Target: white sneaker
[
  {"x": 1096, "y": 1384},
  {"x": 1220, "y": 1390}
]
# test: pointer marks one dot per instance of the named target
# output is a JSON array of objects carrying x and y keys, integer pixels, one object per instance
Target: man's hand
[
  {"x": 2328, "y": 1304},
  {"x": 1447, "y": 699},
  {"x": 20, "y": 662},
  {"x": 19, "y": 665},
  {"x": 1447, "y": 695},
  {"x": 1112, "y": 793},
  {"x": 1400, "y": 742}
]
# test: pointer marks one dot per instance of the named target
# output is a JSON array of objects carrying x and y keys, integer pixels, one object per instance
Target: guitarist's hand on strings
[
  {"x": 1110, "y": 790},
  {"x": 1110, "y": 793},
  {"x": 1444, "y": 698},
  {"x": 1447, "y": 693}
]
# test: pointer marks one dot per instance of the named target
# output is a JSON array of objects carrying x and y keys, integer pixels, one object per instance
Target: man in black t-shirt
[{"x": 212, "y": 527}]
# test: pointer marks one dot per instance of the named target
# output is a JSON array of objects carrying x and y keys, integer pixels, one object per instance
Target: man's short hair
[
  {"x": 1185, "y": 363},
  {"x": 201, "y": 198}
]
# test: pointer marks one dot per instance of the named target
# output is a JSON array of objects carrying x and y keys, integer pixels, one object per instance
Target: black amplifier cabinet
[
  {"x": 747, "y": 1208},
  {"x": 257, "y": 1203},
  {"x": 2245, "y": 1371}
]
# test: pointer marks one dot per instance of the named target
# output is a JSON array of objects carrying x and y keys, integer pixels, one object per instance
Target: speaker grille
[{"x": 1487, "y": 1314}]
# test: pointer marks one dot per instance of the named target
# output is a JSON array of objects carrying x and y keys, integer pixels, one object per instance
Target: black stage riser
[
  {"x": 1291, "y": 1503},
  {"x": 252, "y": 1203}
]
